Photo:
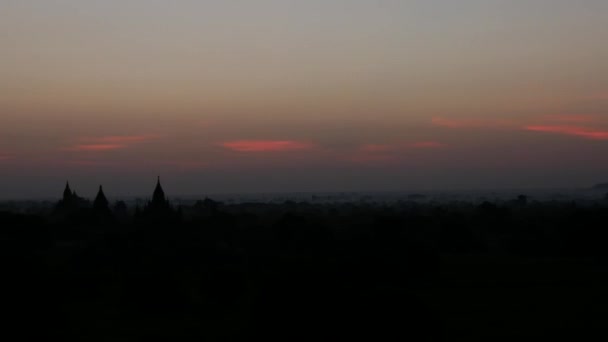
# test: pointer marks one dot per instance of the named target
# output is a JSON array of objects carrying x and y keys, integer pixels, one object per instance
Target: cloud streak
[
  {"x": 266, "y": 145},
  {"x": 583, "y": 132},
  {"x": 108, "y": 143},
  {"x": 577, "y": 125}
]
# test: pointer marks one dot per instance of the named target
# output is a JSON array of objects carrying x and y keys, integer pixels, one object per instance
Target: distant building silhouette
[
  {"x": 101, "y": 202},
  {"x": 158, "y": 198},
  {"x": 67, "y": 193},
  {"x": 159, "y": 208},
  {"x": 71, "y": 201},
  {"x": 101, "y": 205}
]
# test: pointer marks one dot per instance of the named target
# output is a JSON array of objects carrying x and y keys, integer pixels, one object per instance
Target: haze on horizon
[{"x": 281, "y": 95}]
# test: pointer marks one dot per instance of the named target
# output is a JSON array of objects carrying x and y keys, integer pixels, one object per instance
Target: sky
[{"x": 317, "y": 95}]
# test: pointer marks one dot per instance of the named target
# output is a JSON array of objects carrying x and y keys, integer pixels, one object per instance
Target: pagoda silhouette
[
  {"x": 101, "y": 206},
  {"x": 101, "y": 202},
  {"x": 71, "y": 201},
  {"x": 159, "y": 208}
]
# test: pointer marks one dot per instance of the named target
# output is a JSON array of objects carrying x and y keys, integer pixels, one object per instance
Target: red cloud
[
  {"x": 109, "y": 143},
  {"x": 266, "y": 145},
  {"x": 583, "y": 132}
]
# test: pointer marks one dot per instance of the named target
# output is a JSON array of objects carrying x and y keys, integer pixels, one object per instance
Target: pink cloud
[
  {"x": 513, "y": 124},
  {"x": 587, "y": 133},
  {"x": 471, "y": 123},
  {"x": 108, "y": 143},
  {"x": 266, "y": 145}
]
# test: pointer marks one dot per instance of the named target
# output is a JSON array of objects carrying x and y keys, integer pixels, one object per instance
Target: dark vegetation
[{"x": 303, "y": 272}]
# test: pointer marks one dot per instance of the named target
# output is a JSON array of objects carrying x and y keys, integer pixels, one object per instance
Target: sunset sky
[{"x": 316, "y": 95}]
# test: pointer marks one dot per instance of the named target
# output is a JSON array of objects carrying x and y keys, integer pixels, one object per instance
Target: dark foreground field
[{"x": 408, "y": 271}]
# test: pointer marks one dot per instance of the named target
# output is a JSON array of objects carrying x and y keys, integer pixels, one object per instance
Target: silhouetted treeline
[{"x": 100, "y": 271}]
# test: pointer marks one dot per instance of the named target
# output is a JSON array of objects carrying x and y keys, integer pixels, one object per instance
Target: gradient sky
[{"x": 316, "y": 95}]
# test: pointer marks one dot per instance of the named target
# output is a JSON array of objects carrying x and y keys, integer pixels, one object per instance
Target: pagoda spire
[
  {"x": 159, "y": 193},
  {"x": 101, "y": 202},
  {"x": 67, "y": 193},
  {"x": 159, "y": 208}
]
